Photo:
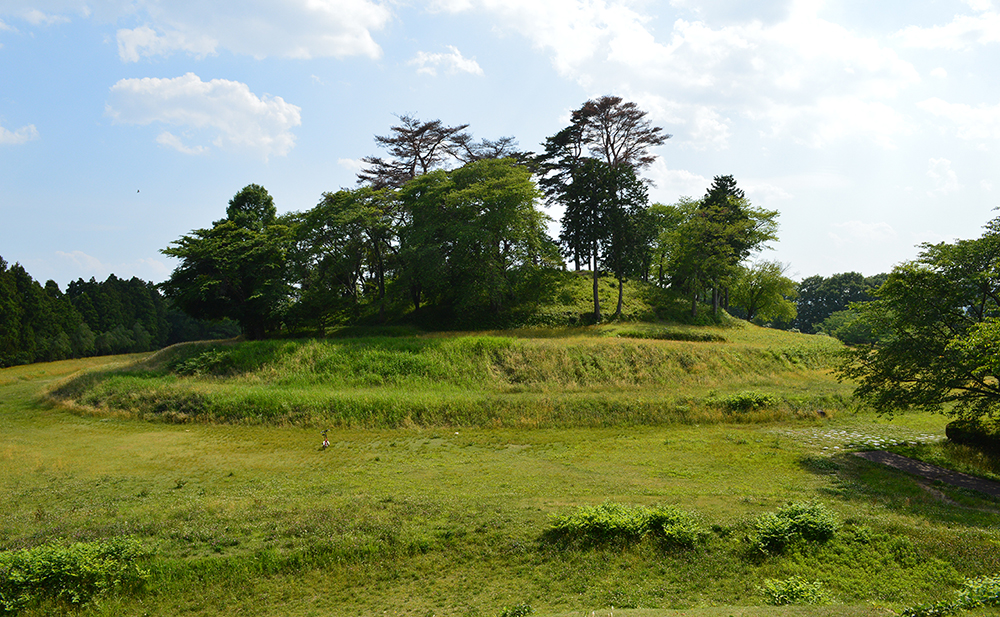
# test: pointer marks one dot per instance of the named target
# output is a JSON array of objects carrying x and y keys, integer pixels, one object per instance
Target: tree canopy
[{"x": 936, "y": 325}]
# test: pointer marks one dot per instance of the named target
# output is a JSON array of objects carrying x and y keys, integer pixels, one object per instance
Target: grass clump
[
  {"x": 69, "y": 575},
  {"x": 518, "y": 610},
  {"x": 615, "y": 523},
  {"x": 809, "y": 522},
  {"x": 793, "y": 590}
]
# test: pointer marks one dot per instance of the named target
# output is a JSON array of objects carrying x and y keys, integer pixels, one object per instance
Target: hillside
[{"x": 621, "y": 374}]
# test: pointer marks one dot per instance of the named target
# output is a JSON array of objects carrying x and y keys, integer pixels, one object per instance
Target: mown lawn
[{"x": 258, "y": 520}]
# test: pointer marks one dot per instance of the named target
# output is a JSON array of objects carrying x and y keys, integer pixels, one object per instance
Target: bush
[
  {"x": 75, "y": 574},
  {"x": 975, "y": 593},
  {"x": 810, "y": 522},
  {"x": 614, "y": 522},
  {"x": 750, "y": 400},
  {"x": 792, "y": 590},
  {"x": 981, "y": 433},
  {"x": 518, "y": 610}
]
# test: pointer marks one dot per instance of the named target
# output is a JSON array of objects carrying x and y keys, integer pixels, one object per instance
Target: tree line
[
  {"x": 42, "y": 323},
  {"x": 444, "y": 224}
]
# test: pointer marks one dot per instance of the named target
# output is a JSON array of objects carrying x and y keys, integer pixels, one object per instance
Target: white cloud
[
  {"x": 781, "y": 72},
  {"x": 857, "y": 232},
  {"x": 452, "y": 62},
  {"x": 352, "y": 165},
  {"x": 973, "y": 123},
  {"x": 144, "y": 41},
  {"x": 943, "y": 177},
  {"x": 20, "y": 136},
  {"x": 964, "y": 31},
  {"x": 38, "y": 18},
  {"x": 227, "y": 111},
  {"x": 939, "y": 72},
  {"x": 259, "y": 28},
  {"x": 168, "y": 139},
  {"x": 671, "y": 184}
]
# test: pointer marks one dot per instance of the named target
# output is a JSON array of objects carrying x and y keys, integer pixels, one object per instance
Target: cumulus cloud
[
  {"x": 671, "y": 184},
  {"x": 857, "y": 232},
  {"x": 452, "y": 62},
  {"x": 974, "y": 123},
  {"x": 944, "y": 180},
  {"x": 258, "y": 28},
  {"x": 780, "y": 71},
  {"x": 225, "y": 111},
  {"x": 20, "y": 136}
]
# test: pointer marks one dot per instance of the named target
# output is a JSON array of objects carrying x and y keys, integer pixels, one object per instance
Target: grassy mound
[{"x": 595, "y": 376}]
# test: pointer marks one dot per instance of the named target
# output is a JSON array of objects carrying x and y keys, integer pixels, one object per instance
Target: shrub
[
  {"x": 74, "y": 574},
  {"x": 981, "y": 433},
  {"x": 614, "y": 522},
  {"x": 518, "y": 610},
  {"x": 811, "y": 522},
  {"x": 750, "y": 400},
  {"x": 792, "y": 590},
  {"x": 982, "y": 591}
]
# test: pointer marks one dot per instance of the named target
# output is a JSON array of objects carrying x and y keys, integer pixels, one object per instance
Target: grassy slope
[
  {"x": 592, "y": 376},
  {"x": 421, "y": 521}
]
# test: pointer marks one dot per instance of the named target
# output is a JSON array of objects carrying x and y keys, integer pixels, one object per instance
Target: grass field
[{"x": 252, "y": 518}]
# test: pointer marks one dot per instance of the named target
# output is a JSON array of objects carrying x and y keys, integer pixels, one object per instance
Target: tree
[
  {"x": 468, "y": 231},
  {"x": 343, "y": 251},
  {"x": 820, "y": 297},
  {"x": 723, "y": 230},
  {"x": 936, "y": 329},
  {"x": 236, "y": 268},
  {"x": 764, "y": 293},
  {"x": 589, "y": 168}
]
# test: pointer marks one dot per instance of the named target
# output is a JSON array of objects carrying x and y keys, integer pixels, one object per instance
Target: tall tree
[
  {"x": 235, "y": 269},
  {"x": 589, "y": 168},
  {"x": 819, "y": 297}
]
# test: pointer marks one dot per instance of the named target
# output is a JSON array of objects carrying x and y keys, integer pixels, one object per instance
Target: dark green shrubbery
[
  {"x": 809, "y": 522},
  {"x": 615, "y": 522},
  {"x": 981, "y": 433},
  {"x": 72, "y": 575}
]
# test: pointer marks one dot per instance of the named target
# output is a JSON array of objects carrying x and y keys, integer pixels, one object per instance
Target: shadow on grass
[{"x": 856, "y": 480}]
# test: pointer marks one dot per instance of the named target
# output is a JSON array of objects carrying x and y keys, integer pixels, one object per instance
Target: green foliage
[
  {"x": 792, "y": 590},
  {"x": 620, "y": 524},
  {"x": 981, "y": 433},
  {"x": 820, "y": 297},
  {"x": 518, "y": 610},
  {"x": 236, "y": 269},
  {"x": 809, "y": 522},
  {"x": 672, "y": 334},
  {"x": 980, "y": 592},
  {"x": 73, "y": 575},
  {"x": 750, "y": 400},
  {"x": 936, "y": 333},
  {"x": 763, "y": 294}
]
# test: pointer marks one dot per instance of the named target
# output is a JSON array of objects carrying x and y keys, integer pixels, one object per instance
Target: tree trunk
[
  {"x": 618, "y": 311},
  {"x": 597, "y": 299}
]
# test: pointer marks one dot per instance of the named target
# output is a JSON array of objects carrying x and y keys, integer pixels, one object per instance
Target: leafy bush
[
  {"x": 518, "y": 610},
  {"x": 810, "y": 522},
  {"x": 614, "y": 522},
  {"x": 792, "y": 590},
  {"x": 75, "y": 574},
  {"x": 750, "y": 400},
  {"x": 982, "y": 591}
]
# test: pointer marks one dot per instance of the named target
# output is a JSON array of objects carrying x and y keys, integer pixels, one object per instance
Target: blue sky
[{"x": 124, "y": 124}]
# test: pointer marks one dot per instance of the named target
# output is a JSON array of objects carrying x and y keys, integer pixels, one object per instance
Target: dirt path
[{"x": 932, "y": 472}]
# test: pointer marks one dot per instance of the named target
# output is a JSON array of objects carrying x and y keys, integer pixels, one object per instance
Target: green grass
[
  {"x": 451, "y": 520},
  {"x": 590, "y": 376}
]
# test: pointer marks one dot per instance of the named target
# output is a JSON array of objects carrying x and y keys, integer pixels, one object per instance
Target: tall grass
[{"x": 472, "y": 380}]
